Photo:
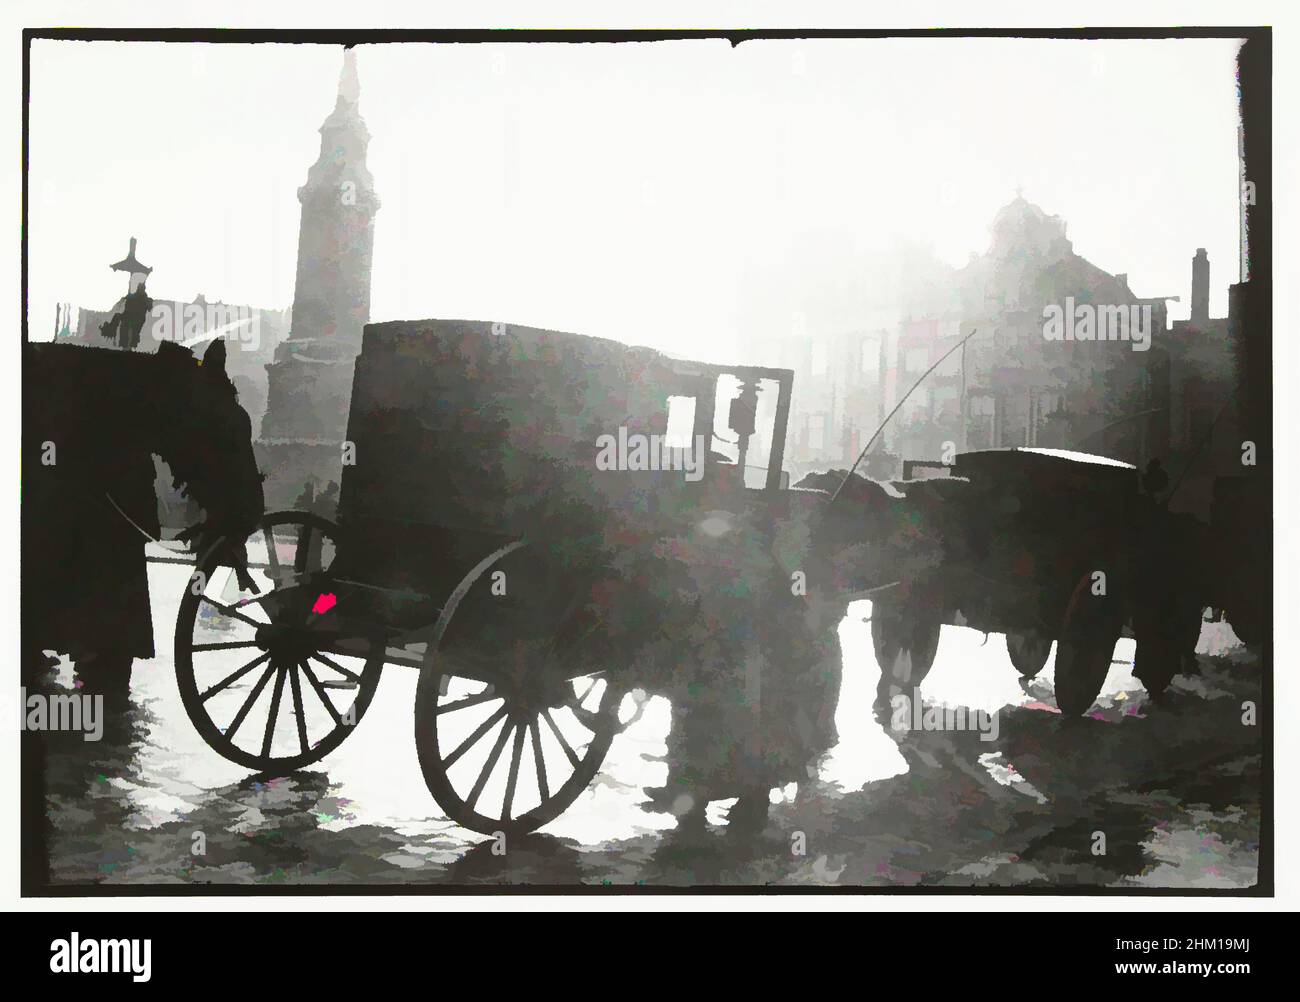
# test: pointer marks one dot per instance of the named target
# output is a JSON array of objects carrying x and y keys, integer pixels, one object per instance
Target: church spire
[
  {"x": 332, "y": 290},
  {"x": 346, "y": 116},
  {"x": 309, "y": 384},
  {"x": 349, "y": 85}
]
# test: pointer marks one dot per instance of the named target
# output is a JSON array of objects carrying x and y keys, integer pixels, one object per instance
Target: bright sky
[{"x": 652, "y": 192}]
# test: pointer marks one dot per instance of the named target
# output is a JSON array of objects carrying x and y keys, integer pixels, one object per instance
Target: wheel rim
[
  {"x": 504, "y": 752},
  {"x": 273, "y": 679}
]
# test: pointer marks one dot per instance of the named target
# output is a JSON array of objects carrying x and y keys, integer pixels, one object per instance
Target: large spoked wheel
[
  {"x": 508, "y": 730},
  {"x": 1093, "y": 625},
  {"x": 272, "y": 678}
]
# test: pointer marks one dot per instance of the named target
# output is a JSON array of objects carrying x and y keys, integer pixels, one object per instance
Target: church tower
[{"x": 310, "y": 380}]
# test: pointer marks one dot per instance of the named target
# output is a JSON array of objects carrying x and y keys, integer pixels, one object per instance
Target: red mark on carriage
[{"x": 325, "y": 603}]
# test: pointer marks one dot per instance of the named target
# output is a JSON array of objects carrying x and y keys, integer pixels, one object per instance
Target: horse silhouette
[{"x": 94, "y": 419}]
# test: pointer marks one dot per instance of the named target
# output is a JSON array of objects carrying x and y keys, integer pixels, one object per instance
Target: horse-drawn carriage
[
  {"x": 539, "y": 522},
  {"x": 1043, "y": 546}
]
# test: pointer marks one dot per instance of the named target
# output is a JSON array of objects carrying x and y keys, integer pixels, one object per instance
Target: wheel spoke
[
  {"x": 248, "y": 703},
  {"x": 231, "y": 679},
  {"x": 513, "y": 778},
  {"x": 298, "y": 708},
  {"x": 568, "y": 750},
  {"x": 275, "y": 711},
  {"x": 300, "y": 552},
  {"x": 231, "y": 611},
  {"x": 257, "y": 599},
  {"x": 331, "y": 663},
  {"x": 470, "y": 741},
  {"x": 479, "y": 697},
  {"x": 538, "y": 761},
  {"x": 320, "y": 692},
  {"x": 232, "y": 645},
  {"x": 310, "y": 552},
  {"x": 488, "y": 766},
  {"x": 272, "y": 557},
  {"x": 588, "y": 718}
]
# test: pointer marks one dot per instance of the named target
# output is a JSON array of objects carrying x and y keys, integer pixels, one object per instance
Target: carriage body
[
  {"x": 1049, "y": 546},
  {"x": 1036, "y": 522},
  {"x": 469, "y": 436}
]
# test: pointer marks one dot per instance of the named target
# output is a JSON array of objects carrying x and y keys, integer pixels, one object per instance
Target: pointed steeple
[
  {"x": 346, "y": 116},
  {"x": 349, "y": 85},
  {"x": 310, "y": 382},
  {"x": 340, "y": 172},
  {"x": 332, "y": 289}
]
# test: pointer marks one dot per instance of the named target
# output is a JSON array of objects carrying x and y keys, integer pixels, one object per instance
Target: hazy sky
[{"x": 636, "y": 191}]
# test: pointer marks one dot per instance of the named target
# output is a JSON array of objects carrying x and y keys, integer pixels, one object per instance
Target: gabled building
[{"x": 1013, "y": 384}]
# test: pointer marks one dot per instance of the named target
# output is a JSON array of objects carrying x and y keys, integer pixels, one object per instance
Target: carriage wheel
[
  {"x": 1092, "y": 627},
  {"x": 1028, "y": 652},
  {"x": 271, "y": 678},
  {"x": 507, "y": 733}
]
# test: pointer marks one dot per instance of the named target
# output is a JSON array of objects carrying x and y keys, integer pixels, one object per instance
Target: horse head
[
  {"x": 206, "y": 439},
  {"x": 856, "y": 534}
]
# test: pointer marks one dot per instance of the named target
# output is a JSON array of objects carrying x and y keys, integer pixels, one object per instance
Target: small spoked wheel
[
  {"x": 508, "y": 732},
  {"x": 273, "y": 679}
]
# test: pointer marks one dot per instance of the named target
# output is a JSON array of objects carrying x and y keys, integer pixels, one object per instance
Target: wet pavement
[{"x": 1134, "y": 795}]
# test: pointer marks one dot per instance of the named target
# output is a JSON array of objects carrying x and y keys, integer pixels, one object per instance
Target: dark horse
[{"x": 94, "y": 419}]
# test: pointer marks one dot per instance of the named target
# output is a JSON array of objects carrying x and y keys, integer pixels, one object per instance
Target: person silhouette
[{"x": 126, "y": 324}]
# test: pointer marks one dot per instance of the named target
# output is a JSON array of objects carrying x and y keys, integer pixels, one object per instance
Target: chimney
[{"x": 1200, "y": 288}]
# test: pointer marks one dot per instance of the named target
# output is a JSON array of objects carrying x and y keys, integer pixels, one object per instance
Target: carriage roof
[{"x": 1053, "y": 469}]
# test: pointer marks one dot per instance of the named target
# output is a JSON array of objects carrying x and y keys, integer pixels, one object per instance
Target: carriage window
[
  {"x": 744, "y": 413},
  {"x": 760, "y": 445},
  {"x": 681, "y": 422}
]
